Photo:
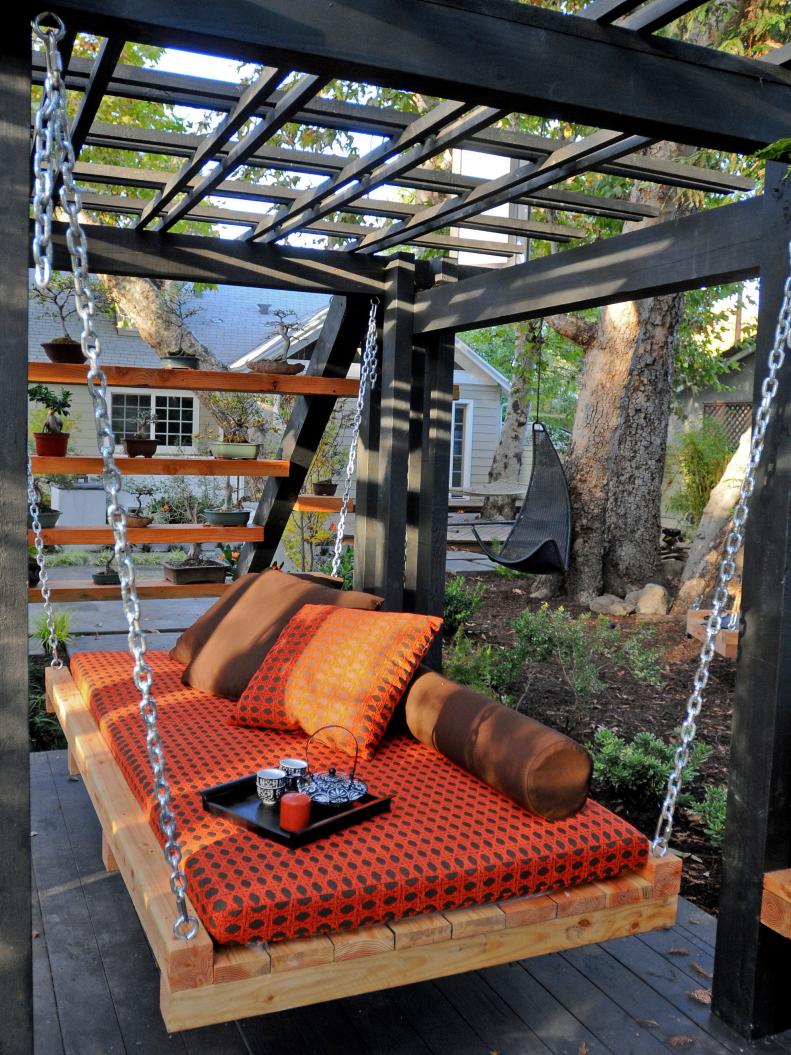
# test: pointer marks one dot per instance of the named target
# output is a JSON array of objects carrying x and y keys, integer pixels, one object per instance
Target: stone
[
  {"x": 609, "y": 604},
  {"x": 632, "y": 598},
  {"x": 653, "y": 600}
]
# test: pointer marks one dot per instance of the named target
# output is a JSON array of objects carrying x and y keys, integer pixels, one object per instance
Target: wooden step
[
  {"x": 88, "y": 591},
  {"x": 78, "y": 466},
  {"x": 196, "y": 380},
  {"x": 167, "y": 533},
  {"x": 726, "y": 642}
]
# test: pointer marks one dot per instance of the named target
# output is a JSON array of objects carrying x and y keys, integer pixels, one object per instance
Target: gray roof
[{"x": 230, "y": 321}]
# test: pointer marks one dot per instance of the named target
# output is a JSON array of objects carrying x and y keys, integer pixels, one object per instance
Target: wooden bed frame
[{"x": 203, "y": 983}]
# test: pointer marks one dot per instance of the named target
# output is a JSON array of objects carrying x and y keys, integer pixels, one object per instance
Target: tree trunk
[
  {"x": 632, "y": 529},
  {"x": 704, "y": 555},
  {"x": 507, "y": 460}
]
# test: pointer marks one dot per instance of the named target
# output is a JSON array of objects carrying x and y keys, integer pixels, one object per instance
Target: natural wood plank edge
[
  {"x": 77, "y": 466},
  {"x": 663, "y": 873},
  {"x": 579, "y": 899},
  {"x": 233, "y": 962},
  {"x": 167, "y": 533},
  {"x": 86, "y": 591},
  {"x": 523, "y": 910},
  {"x": 420, "y": 930},
  {"x": 297, "y": 953},
  {"x": 108, "y": 857},
  {"x": 197, "y": 380},
  {"x": 366, "y": 941},
  {"x": 776, "y": 902},
  {"x": 726, "y": 643},
  {"x": 479, "y": 919}
]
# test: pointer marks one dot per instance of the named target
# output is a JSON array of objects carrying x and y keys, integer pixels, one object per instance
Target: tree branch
[{"x": 580, "y": 331}]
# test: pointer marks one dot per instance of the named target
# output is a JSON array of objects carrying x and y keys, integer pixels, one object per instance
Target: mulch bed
[{"x": 628, "y": 706}]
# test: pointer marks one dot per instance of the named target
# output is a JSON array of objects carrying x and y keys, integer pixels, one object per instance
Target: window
[
  {"x": 459, "y": 445},
  {"x": 175, "y": 415}
]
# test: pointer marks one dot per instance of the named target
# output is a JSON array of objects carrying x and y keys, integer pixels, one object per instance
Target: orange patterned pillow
[{"x": 337, "y": 666}]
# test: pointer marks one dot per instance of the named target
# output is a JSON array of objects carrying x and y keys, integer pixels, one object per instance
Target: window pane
[
  {"x": 126, "y": 409},
  {"x": 175, "y": 420},
  {"x": 457, "y": 446}
]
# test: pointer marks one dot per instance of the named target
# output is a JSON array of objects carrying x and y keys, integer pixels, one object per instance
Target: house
[{"x": 235, "y": 323}]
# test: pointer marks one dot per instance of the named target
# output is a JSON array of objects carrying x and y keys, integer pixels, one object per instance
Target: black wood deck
[{"x": 97, "y": 990}]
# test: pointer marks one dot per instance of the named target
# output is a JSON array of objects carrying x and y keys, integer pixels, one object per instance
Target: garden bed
[{"x": 626, "y": 706}]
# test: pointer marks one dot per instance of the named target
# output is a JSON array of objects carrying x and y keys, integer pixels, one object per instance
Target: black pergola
[{"x": 484, "y": 59}]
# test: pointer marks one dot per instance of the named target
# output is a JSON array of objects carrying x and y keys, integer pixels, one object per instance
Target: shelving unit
[
  {"x": 79, "y": 466},
  {"x": 86, "y": 590}
]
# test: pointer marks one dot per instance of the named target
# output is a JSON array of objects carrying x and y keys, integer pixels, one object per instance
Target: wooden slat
[
  {"x": 523, "y": 910},
  {"x": 479, "y": 919},
  {"x": 663, "y": 873},
  {"x": 88, "y": 591},
  {"x": 625, "y": 890},
  {"x": 135, "y": 848},
  {"x": 196, "y": 380},
  {"x": 232, "y": 962},
  {"x": 726, "y": 643},
  {"x": 420, "y": 930},
  {"x": 167, "y": 533},
  {"x": 589, "y": 898},
  {"x": 298, "y": 953},
  {"x": 78, "y": 466},
  {"x": 366, "y": 941}
]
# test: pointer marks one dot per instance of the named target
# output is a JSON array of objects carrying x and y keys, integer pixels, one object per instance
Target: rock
[
  {"x": 653, "y": 600},
  {"x": 673, "y": 568},
  {"x": 609, "y": 604},
  {"x": 632, "y": 598}
]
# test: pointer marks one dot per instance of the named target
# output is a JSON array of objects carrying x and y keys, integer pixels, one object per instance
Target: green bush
[
  {"x": 485, "y": 668},
  {"x": 69, "y": 558},
  {"x": 346, "y": 569},
  {"x": 635, "y": 773},
  {"x": 63, "y": 624},
  {"x": 712, "y": 813},
  {"x": 640, "y": 658},
  {"x": 462, "y": 601},
  {"x": 700, "y": 458}
]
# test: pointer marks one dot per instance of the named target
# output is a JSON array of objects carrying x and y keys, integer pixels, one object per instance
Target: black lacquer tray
[{"x": 238, "y": 802}]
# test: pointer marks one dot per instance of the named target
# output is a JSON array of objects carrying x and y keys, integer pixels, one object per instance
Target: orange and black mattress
[{"x": 449, "y": 840}]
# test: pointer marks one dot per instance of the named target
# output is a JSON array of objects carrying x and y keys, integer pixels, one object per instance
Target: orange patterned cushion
[{"x": 337, "y": 666}]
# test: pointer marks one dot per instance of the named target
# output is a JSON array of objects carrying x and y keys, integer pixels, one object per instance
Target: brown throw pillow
[
  {"x": 541, "y": 769},
  {"x": 227, "y": 644}
]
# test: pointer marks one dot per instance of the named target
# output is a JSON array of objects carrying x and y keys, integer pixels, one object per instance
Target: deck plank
[
  {"x": 437, "y": 1021},
  {"x": 489, "y": 1015}
]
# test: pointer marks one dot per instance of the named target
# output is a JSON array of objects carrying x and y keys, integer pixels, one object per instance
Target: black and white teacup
[
  {"x": 294, "y": 768},
  {"x": 270, "y": 785}
]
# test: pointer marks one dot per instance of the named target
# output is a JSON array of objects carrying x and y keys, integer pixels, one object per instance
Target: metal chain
[
  {"x": 43, "y": 580},
  {"x": 53, "y": 153},
  {"x": 733, "y": 543},
  {"x": 367, "y": 382}
]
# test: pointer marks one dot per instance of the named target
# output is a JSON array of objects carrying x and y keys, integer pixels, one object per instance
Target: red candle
[{"x": 294, "y": 811}]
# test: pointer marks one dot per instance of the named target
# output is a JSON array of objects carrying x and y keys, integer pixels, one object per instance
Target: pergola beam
[
  {"x": 155, "y": 141},
  {"x": 566, "y": 161},
  {"x": 192, "y": 258},
  {"x": 658, "y": 13},
  {"x": 176, "y": 88},
  {"x": 95, "y": 89},
  {"x": 490, "y": 52},
  {"x": 719, "y": 245}
]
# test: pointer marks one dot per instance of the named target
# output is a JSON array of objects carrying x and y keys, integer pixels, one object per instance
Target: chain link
[
  {"x": 733, "y": 543},
  {"x": 54, "y": 153},
  {"x": 43, "y": 580},
  {"x": 367, "y": 382}
]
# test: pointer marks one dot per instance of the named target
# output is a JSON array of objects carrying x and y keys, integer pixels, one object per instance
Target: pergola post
[
  {"x": 383, "y": 454},
  {"x": 429, "y": 471},
  {"x": 753, "y": 964},
  {"x": 16, "y": 984}
]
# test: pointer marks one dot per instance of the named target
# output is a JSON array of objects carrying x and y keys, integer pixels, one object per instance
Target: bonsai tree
[
  {"x": 58, "y": 406},
  {"x": 240, "y": 415},
  {"x": 110, "y": 567},
  {"x": 178, "y": 304},
  {"x": 143, "y": 427},
  {"x": 57, "y": 302},
  {"x": 286, "y": 322},
  {"x": 43, "y": 498},
  {"x": 140, "y": 491}
]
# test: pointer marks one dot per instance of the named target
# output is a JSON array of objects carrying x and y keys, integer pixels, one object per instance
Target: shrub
[
  {"x": 462, "y": 600},
  {"x": 700, "y": 458},
  {"x": 44, "y": 729},
  {"x": 346, "y": 569},
  {"x": 634, "y": 774},
  {"x": 712, "y": 813},
  {"x": 484, "y": 668},
  {"x": 640, "y": 658},
  {"x": 63, "y": 634}
]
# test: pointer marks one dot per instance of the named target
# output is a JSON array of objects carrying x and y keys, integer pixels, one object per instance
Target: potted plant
[
  {"x": 324, "y": 487},
  {"x": 47, "y": 516},
  {"x": 285, "y": 327},
  {"x": 108, "y": 577},
  {"x": 52, "y": 441},
  {"x": 197, "y": 567},
  {"x": 136, "y": 518},
  {"x": 140, "y": 444},
  {"x": 178, "y": 304},
  {"x": 231, "y": 514},
  {"x": 33, "y": 570},
  {"x": 240, "y": 415},
  {"x": 57, "y": 302}
]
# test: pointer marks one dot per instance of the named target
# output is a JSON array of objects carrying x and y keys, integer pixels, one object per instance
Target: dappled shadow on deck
[{"x": 97, "y": 988}]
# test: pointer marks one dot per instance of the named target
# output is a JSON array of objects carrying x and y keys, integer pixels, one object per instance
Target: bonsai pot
[
  {"x": 51, "y": 444},
  {"x": 32, "y": 571},
  {"x": 240, "y": 451},
  {"x": 133, "y": 520},
  {"x": 275, "y": 366},
  {"x": 106, "y": 578},
  {"x": 137, "y": 447},
  {"x": 207, "y": 571},
  {"x": 181, "y": 362},
  {"x": 227, "y": 517},
  {"x": 324, "y": 487},
  {"x": 48, "y": 518},
  {"x": 63, "y": 350}
]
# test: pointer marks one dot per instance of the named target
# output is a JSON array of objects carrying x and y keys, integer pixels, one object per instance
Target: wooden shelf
[
  {"x": 88, "y": 591},
  {"x": 319, "y": 504},
  {"x": 78, "y": 466},
  {"x": 168, "y": 533},
  {"x": 196, "y": 380},
  {"x": 726, "y": 642}
]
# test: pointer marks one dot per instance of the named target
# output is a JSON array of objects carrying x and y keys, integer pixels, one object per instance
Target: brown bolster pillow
[{"x": 541, "y": 769}]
